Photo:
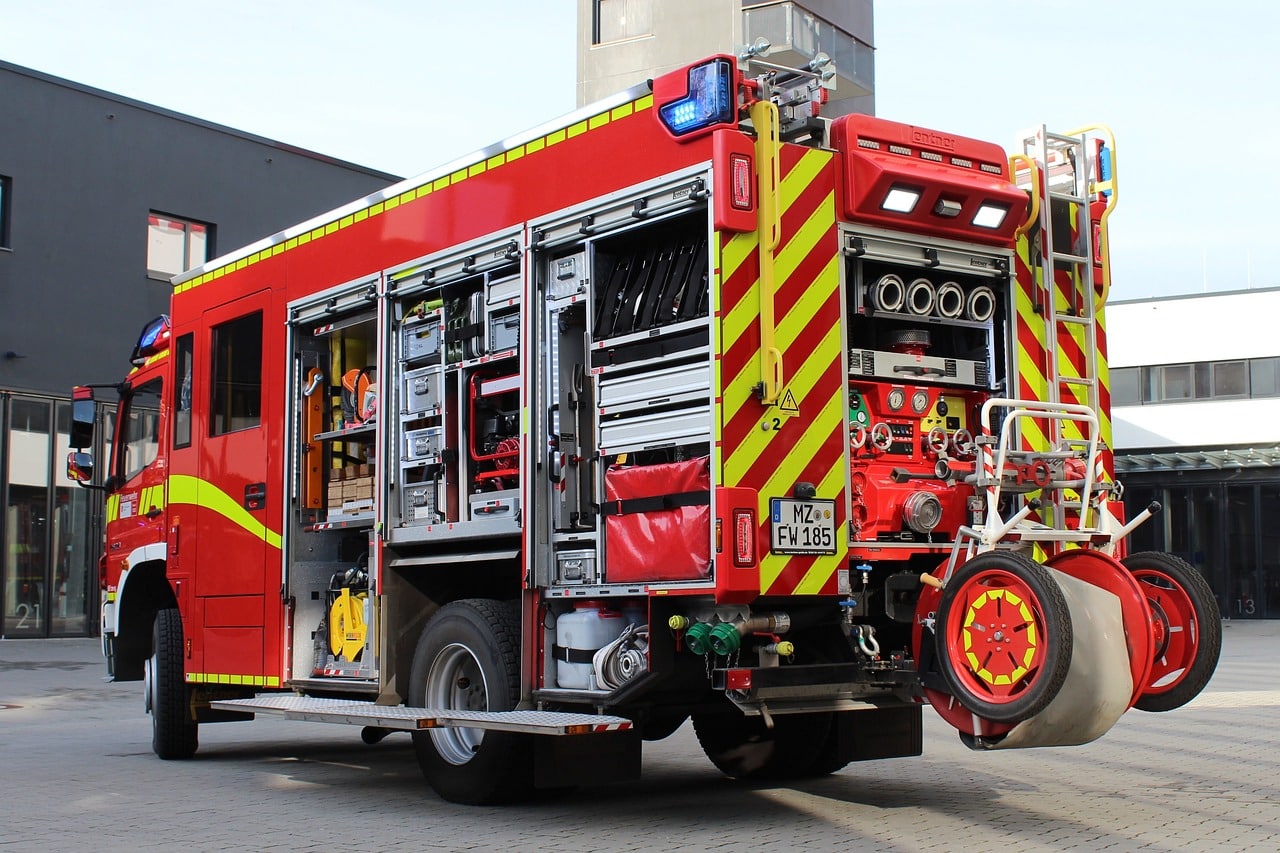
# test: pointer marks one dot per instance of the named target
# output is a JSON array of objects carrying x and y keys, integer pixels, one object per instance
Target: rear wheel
[
  {"x": 745, "y": 748},
  {"x": 468, "y": 660},
  {"x": 174, "y": 733},
  {"x": 1187, "y": 629},
  {"x": 1004, "y": 637}
]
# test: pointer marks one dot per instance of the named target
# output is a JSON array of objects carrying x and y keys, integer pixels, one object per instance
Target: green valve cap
[
  {"x": 725, "y": 639},
  {"x": 696, "y": 638}
]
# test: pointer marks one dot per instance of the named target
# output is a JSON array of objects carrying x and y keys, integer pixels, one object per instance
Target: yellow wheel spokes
[{"x": 999, "y": 637}]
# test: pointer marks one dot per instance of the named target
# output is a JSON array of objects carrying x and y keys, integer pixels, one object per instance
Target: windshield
[{"x": 139, "y": 441}]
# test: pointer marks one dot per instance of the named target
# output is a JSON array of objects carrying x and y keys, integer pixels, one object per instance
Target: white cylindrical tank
[{"x": 579, "y": 634}]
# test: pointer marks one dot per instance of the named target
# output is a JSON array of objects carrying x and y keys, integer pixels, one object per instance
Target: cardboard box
[{"x": 356, "y": 507}]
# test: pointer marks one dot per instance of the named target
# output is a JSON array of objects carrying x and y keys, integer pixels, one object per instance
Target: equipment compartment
[{"x": 650, "y": 278}]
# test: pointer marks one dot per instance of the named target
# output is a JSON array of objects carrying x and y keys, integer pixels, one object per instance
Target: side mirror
[
  {"x": 80, "y": 467},
  {"x": 83, "y": 418}
]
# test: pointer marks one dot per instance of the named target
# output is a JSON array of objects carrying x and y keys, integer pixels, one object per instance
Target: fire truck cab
[{"x": 694, "y": 404}]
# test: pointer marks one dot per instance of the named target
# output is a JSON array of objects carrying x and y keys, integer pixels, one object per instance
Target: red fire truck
[{"x": 693, "y": 405}]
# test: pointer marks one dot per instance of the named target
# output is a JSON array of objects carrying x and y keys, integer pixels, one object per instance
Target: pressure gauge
[
  {"x": 897, "y": 397},
  {"x": 920, "y": 402}
]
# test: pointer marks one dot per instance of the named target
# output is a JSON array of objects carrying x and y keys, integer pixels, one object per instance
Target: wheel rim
[
  {"x": 944, "y": 704},
  {"x": 149, "y": 684},
  {"x": 456, "y": 683},
  {"x": 997, "y": 647},
  {"x": 1105, "y": 572},
  {"x": 1176, "y": 632}
]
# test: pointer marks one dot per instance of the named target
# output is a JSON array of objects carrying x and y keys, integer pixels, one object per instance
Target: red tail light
[{"x": 744, "y": 537}]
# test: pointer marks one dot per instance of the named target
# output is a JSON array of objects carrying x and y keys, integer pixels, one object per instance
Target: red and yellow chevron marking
[
  {"x": 801, "y": 438},
  {"x": 1032, "y": 355}
]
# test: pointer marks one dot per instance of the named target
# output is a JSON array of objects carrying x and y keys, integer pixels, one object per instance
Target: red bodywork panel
[{"x": 233, "y": 584}]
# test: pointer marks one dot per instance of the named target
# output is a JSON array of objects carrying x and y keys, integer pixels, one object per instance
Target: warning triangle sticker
[{"x": 788, "y": 403}]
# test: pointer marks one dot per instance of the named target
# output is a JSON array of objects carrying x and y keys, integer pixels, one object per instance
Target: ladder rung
[
  {"x": 1072, "y": 318},
  {"x": 1086, "y": 381},
  {"x": 1075, "y": 259},
  {"x": 1075, "y": 199},
  {"x": 1062, "y": 139}
]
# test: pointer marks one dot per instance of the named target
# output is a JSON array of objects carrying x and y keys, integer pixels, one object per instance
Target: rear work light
[
  {"x": 990, "y": 215},
  {"x": 709, "y": 100},
  {"x": 900, "y": 199}
]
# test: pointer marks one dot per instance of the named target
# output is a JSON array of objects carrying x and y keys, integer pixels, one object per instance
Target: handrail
[
  {"x": 1033, "y": 212},
  {"x": 764, "y": 115},
  {"x": 1104, "y": 242}
]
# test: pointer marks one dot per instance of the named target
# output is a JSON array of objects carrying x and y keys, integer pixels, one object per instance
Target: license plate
[{"x": 802, "y": 527}]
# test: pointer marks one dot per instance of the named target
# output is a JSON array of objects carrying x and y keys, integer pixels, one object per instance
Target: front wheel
[
  {"x": 1187, "y": 629},
  {"x": 468, "y": 660},
  {"x": 174, "y": 733}
]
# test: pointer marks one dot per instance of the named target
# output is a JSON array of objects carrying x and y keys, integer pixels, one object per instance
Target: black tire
[
  {"x": 745, "y": 748},
  {"x": 174, "y": 732},
  {"x": 1031, "y": 687},
  {"x": 1179, "y": 597},
  {"x": 468, "y": 659}
]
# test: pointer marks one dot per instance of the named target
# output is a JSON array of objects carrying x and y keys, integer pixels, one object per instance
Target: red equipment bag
[{"x": 658, "y": 522}]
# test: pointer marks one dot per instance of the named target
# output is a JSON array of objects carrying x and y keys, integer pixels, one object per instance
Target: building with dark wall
[{"x": 102, "y": 199}]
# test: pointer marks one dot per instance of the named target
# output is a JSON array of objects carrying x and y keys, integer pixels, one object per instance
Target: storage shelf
[{"x": 361, "y": 433}]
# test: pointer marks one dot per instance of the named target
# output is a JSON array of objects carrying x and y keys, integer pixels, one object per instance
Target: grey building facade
[
  {"x": 102, "y": 199},
  {"x": 623, "y": 42}
]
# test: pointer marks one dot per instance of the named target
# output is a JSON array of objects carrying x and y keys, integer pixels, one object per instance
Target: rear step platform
[{"x": 400, "y": 718}]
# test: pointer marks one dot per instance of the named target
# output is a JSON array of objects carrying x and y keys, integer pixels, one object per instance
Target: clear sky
[{"x": 405, "y": 85}]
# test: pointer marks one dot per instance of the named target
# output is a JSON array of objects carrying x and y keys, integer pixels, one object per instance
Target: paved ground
[{"x": 78, "y": 773}]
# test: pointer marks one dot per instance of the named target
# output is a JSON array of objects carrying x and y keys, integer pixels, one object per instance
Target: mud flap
[{"x": 590, "y": 759}]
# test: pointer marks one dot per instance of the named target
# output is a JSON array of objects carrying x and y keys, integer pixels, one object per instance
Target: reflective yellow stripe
[
  {"x": 192, "y": 490},
  {"x": 592, "y": 123},
  {"x": 227, "y": 678}
]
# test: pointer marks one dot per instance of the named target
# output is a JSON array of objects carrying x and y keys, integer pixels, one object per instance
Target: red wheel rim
[
  {"x": 997, "y": 642},
  {"x": 1106, "y": 572},
  {"x": 946, "y": 705},
  {"x": 1176, "y": 634}
]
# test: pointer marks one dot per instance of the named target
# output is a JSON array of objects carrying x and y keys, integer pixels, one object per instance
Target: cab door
[{"x": 238, "y": 502}]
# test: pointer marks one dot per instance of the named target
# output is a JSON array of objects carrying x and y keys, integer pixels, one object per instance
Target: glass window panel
[
  {"x": 141, "y": 436},
  {"x": 1175, "y": 382},
  {"x": 166, "y": 247},
  {"x": 1241, "y": 535},
  {"x": 1231, "y": 379},
  {"x": 1126, "y": 387},
  {"x": 197, "y": 242},
  {"x": 622, "y": 19},
  {"x": 1148, "y": 536},
  {"x": 1150, "y": 384},
  {"x": 26, "y": 526},
  {"x": 1264, "y": 379},
  {"x": 5, "y": 196},
  {"x": 1204, "y": 381},
  {"x": 72, "y": 580},
  {"x": 1267, "y": 604},
  {"x": 237, "y": 375},
  {"x": 175, "y": 245},
  {"x": 182, "y": 403}
]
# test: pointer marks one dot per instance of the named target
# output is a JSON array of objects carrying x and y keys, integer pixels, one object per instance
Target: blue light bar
[
  {"x": 710, "y": 100},
  {"x": 154, "y": 339}
]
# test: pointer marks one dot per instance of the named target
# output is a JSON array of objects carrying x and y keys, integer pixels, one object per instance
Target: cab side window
[
  {"x": 237, "y": 375},
  {"x": 140, "y": 439}
]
